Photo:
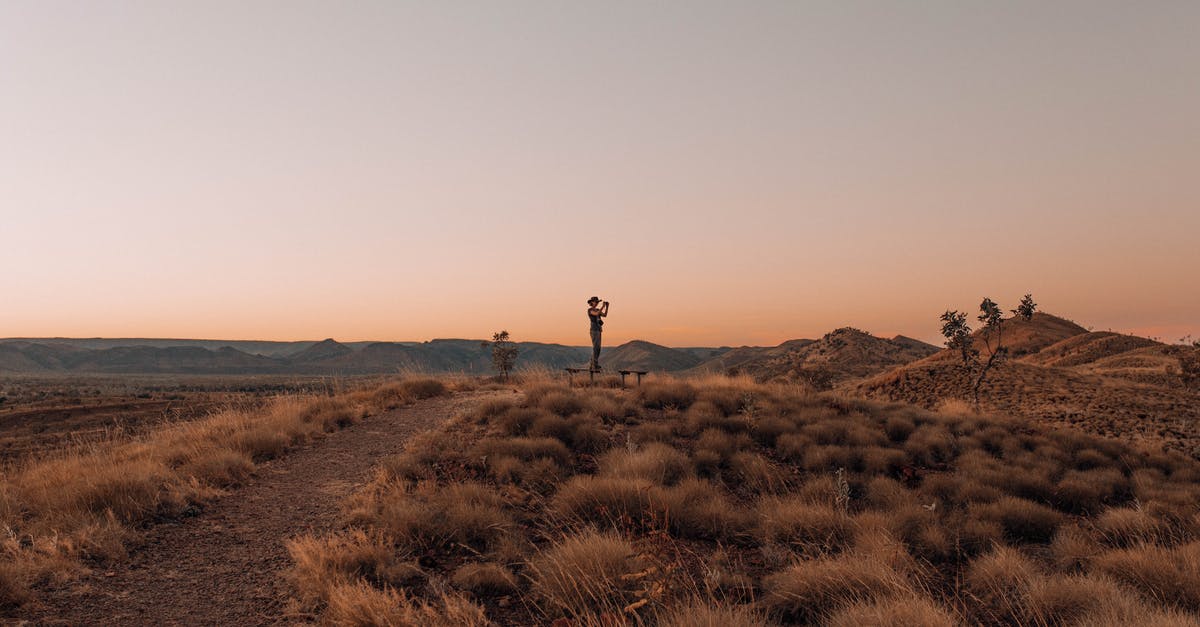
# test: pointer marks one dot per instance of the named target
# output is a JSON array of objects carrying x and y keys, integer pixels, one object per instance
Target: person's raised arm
[{"x": 604, "y": 309}]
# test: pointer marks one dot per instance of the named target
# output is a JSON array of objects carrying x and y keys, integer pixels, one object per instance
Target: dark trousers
[{"x": 595, "y": 349}]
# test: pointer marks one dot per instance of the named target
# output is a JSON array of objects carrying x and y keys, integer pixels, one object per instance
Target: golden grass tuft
[
  {"x": 654, "y": 462},
  {"x": 810, "y": 529},
  {"x": 708, "y": 614},
  {"x": 905, "y": 611},
  {"x": 485, "y": 579},
  {"x": 323, "y": 563},
  {"x": 604, "y": 500},
  {"x": 358, "y": 604},
  {"x": 585, "y": 574},
  {"x": 1161, "y": 575},
  {"x": 811, "y": 590}
]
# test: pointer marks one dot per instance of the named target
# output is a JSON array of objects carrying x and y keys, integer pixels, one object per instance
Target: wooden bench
[
  {"x": 639, "y": 374},
  {"x": 571, "y": 372}
]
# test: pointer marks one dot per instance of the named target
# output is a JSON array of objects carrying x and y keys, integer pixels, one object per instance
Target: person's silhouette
[{"x": 596, "y": 313}]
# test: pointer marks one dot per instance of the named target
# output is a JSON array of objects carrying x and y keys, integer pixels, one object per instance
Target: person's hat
[{"x": 594, "y": 299}]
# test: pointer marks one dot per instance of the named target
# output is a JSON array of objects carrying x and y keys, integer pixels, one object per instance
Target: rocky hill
[
  {"x": 642, "y": 355},
  {"x": 841, "y": 355},
  {"x": 1061, "y": 373}
]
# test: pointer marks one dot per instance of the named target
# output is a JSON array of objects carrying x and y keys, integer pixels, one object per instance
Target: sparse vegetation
[
  {"x": 958, "y": 336},
  {"x": 83, "y": 505},
  {"x": 720, "y": 501},
  {"x": 504, "y": 353}
]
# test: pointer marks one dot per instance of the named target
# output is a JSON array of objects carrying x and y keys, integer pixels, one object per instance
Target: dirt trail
[{"x": 227, "y": 565}]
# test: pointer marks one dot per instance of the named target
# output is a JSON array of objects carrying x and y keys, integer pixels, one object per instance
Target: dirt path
[{"x": 227, "y": 565}]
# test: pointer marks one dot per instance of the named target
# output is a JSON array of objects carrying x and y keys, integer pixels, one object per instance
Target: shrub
[
  {"x": 898, "y": 428},
  {"x": 930, "y": 445},
  {"x": 879, "y": 460},
  {"x": 489, "y": 409},
  {"x": 14, "y": 589},
  {"x": 1072, "y": 549},
  {"x": 423, "y": 388},
  {"x": 1125, "y": 527},
  {"x": 1022, "y": 520},
  {"x": 605, "y": 500},
  {"x": 662, "y": 394},
  {"x": 466, "y": 514},
  {"x": 809, "y": 528},
  {"x": 999, "y": 583},
  {"x": 322, "y": 563},
  {"x": 1069, "y": 600},
  {"x": 811, "y": 590},
  {"x": 1170, "y": 576},
  {"x": 517, "y": 420},
  {"x": 1083, "y": 492},
  {"x": 756, "y": 473},
  {"x": 582, "y": 574},
  {"x": 525, "y": 449},
  {"x": 909, "y": 611},
  {"x": 657, "y": 463},
  {"x": 562, "y": 403},
  {"x": 485, "y": 579},
  {"x": 793, "y": 446},
  {"x": 700, "y": 614},
  {"x": 360, "y": 605},
  {"x": 698, "y": 509},
  {"x": 767, "y": 430}
]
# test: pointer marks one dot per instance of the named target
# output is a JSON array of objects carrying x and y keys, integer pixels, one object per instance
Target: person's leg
[{"x": 595, "y": 350}]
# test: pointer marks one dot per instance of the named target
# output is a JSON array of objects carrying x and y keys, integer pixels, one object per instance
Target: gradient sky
[{"x": 723, "y": 172}]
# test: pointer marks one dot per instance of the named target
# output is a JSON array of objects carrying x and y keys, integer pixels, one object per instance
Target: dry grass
[
  {"x": 811, "y": 590},
  {"x": 718, "y": 501},
  {"x": 88, "y": 503},
  {"x": 485, "y": 579},
  {"x": 585, "y": 574},
  {"x": 359, "y": 604},
  {"x": 895, "y": 612}
]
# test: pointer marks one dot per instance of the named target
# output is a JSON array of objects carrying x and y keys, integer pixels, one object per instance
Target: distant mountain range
[
  {"x": 844, "y": 353},
  {"x": 155, "y": 356}
]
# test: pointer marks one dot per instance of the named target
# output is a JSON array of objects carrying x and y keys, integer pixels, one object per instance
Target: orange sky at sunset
[{"x": 723, "y": 173}]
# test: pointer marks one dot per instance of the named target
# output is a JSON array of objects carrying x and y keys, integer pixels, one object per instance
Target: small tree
[
  {"x": 958, "y": 337},
  {"x": 1026, "y": 308},
  {"x": 504, "y": 353}
]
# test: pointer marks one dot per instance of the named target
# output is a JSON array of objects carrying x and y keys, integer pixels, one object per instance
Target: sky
[{"x": 724, "y": 173}]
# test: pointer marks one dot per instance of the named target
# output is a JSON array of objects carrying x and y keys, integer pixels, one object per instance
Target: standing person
[{"x": 596, "y": 312}]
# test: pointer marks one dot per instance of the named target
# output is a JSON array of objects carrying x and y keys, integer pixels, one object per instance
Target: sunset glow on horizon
[{"x": 723, "y": 173}]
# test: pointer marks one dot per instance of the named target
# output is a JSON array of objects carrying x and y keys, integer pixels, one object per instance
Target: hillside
[
  {"x": 1061, "y": 373},
  {"x": 642, "y": 355},
  {"x": 840, "y": 355},
  {"x": 325, "y": 357}
]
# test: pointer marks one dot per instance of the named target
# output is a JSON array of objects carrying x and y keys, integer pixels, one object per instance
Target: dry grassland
[{"x": 724, "y": 502}]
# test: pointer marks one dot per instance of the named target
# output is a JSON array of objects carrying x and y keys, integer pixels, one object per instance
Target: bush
[
  {"x": 999, "y": 583},
  {"x": 563, "y": 403},
  {"x": 657, "y": 463},
  {"x": 1126, "y": 527},
  {"x": 910, "y": 611},
  {"x": 525, "y": 449},
  {"x": 582, "y": 574},
  {"x": 320, "y": 564},
  {"x": 1022, "y": 520},
  {"x": 811, "y": 590},
  {"x": 485, "y": 579},
  {"x": 1170, "y": 576},
  {"x": 360, "y": 605},
  {"x": 809, "y": 528},
  {"x": 604, "y": 500},
  {"x": 698, "y": 509},
  {"x": 662, "y": 394},
  {"x": 708, "y": 615}
]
